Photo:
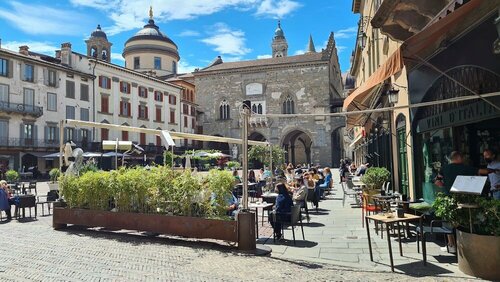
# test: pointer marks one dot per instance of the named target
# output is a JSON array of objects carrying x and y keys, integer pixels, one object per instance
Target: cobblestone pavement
[{"x": 32, "y": 251}]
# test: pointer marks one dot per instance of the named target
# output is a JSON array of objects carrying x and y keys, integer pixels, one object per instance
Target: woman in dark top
[
  {"x": 282, "y": 209},
  {"x": 251, "y": 176}
]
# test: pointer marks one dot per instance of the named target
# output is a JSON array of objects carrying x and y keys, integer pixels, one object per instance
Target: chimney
[
  {"x": 24, "y": 50},
  {"x": 66, "y": 54}
]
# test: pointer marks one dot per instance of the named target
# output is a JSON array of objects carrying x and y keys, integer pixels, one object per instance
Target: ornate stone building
[{"x": 304, "y": 84}]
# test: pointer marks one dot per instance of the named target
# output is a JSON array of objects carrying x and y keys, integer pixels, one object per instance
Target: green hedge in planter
[
  {"x": 11, "y": 175},
  {"x": 158, "y": 190},
  {"x": 375, "y": 177}
]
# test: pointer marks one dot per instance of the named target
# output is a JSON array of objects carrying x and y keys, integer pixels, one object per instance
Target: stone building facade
[{"x": 283, "y": 85}]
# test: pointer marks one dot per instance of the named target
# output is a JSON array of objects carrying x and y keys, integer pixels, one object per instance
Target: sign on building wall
[
  {"x": 254, "y": 89},
  {"x": 466, "y": 114}
]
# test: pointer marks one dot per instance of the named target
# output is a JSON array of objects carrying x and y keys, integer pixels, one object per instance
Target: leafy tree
[{"x": 261, "y": 154}]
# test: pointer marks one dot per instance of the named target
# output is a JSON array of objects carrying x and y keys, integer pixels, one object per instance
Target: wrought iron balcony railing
[
  {"x": 28, "y": 142},
  {"x": 21, "y": 108}
]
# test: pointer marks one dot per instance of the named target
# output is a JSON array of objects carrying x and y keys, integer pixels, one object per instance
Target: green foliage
[
  {"x": 54, "y": 174},
  {"x": 168, "y": 158},
  {"x": 89, "y": 166},
  {"x": 158, "y": 190},
  {"x": 375, "y": 177},
  {"x": 202, "y": 158},
  {"x": 485, "y": 215},
  {"x": 11, "y": 175},
  {"x": 261, "y": 154},
  {"x": 233, "y": 164}
]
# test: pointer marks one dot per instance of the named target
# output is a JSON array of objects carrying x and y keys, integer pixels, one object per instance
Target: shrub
[
  {"x": 11, "y": 175},
  {"x": 233, "y": 164},
  {"x": 375, "y": 177},
  {"x": 54, "y": 174}
]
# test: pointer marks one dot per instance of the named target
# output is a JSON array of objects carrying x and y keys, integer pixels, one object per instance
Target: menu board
[{"x": 469, "y": 184}]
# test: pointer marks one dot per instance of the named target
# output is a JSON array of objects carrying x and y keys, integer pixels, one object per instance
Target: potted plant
[
  {"x": 11, "y": 175},
  {"x": 233, "y": 165},
  {"x": 375, "y": 177},
  {"x": 477, "y": 221},
  {"x": 54, "y": 176}
]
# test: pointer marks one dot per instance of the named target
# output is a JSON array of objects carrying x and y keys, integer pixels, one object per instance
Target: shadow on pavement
[
  {"x": 300, "y": 263},
  {"x": 313, "y": 224},
  {"x": 289, "y": 242},
  {"x": 417, "y": 269}
]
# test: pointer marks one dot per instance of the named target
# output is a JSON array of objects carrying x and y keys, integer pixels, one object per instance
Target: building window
[
  {"x": 137, "y": 63},
  {"x": 172, "y": 99},
  {"x": 70, "y": 134},
  {"x": 124, "y": 87},
  {"x": 4, "y": 132},
  {"x": 51, "y": 134},
  {"x": 70, "y": 89},
  {"x": 125, "y": 109},
  {"x": 104, "y": 134},
  {"x": 52, "y": 78},
  {"x": 84, "y": 92},
  {"x": 158, "y": 115},
  {"x": 185, "y": 109},
  {"x": 70, "y": 112},
  {"x": 105, "y": 104},
  {"x": 157, "y": 63},
  {"x": 143, "y": 112},
  {"x": 172, "y": 116},
  {"x": 288, "y": 106},
  {"x": 104, "y": 82},
  {"x": 174, "y": 67},
  {"x": 186, "y": 122},
  {"x": 84, "y": 114},
  {"x": 143, "y": 92},
  {"x": 4, "y": 93},
  {"x": 193, "y": 111},
  {"x": 224, "y": 110},
  {"x": 4, "y": 67},
  {"x": 29, "y": 98},
  {"x": 193, "y": 123},
  {"x": 259, "y": 109},
  {"x": 52, "y": 102},
  {"x": 85, "y": 133},
  {"x": 125, "y": 135},
  {"x": 29, "y": 73},
  {"x": 28, "y": 133},
  {"x": 158, "y": 96},
  {"x": 142, "y": 138}
]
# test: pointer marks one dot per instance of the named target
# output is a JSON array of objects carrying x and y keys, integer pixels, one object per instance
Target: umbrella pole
[{"x": 246, "y": 113}]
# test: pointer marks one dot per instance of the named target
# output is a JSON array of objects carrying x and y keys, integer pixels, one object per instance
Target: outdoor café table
[
  {"x": 251, "y": 187},
  {"x": 382, "y": 218},
  {"x": 256, "y": 207}
]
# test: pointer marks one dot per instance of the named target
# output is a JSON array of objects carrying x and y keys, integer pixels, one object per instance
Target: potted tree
[
  {"x": 374, "y": 179},
  {"x": 477, "y": 221},
  {"x": 12, "y": 176},
  {"x": 54, "y": 176}
]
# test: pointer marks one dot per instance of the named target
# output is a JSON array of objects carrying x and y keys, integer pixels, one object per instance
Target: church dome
[
  {"x": 99, "y": 33},
  {"x": 151, "y": 32},
  {"x": 278, "y": 33}
]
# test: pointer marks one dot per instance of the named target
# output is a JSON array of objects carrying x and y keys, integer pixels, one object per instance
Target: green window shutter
[{"x": 46, "y": 133}]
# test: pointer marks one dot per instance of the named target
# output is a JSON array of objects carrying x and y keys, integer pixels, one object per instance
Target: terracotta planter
[
  {"x": 192, "y": 227},
  {"x": 479, "y": 255}
]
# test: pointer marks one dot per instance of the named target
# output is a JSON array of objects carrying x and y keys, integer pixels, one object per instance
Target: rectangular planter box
[{"x": 192, "y": 227}]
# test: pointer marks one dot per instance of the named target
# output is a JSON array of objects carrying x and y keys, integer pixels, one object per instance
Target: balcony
[
  {"x": 256, "y": 121},
  {"x": 9, "y": 107},
  {"x": 28, "y": 143}
]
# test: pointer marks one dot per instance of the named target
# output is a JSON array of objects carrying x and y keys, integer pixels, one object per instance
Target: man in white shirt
[{"x": 493, "y": 170}]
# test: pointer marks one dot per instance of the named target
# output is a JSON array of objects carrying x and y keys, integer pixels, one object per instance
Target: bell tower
[
  {"x": 279, "y": 44},
  {"x": 98, "y": 45}
]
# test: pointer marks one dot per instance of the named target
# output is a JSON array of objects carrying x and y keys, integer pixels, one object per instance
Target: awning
[{"x": 357, "y": 100}]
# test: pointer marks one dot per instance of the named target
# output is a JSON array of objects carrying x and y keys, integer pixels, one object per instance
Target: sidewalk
[{"x": 335, "y": 235}]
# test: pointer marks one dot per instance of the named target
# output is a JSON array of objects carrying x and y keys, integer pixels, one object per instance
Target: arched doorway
[
  {"x": 337, "y": 146},
  {"x": 27, "y": 161},
  {"x": 256, "y": 136},
  {"x": 297, "y": 145}
]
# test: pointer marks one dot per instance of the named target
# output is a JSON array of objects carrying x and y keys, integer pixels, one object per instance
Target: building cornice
[{"x": 259, "y": 68}]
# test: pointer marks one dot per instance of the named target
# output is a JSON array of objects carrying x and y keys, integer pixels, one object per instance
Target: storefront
[{"x": 465, "y": 66}]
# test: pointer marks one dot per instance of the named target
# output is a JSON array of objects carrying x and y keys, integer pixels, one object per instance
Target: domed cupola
[
  {"x": 151, "y": 51},
  {"x": 98, "y": 45},
  {"x": 278, "y": 33},
  {"x": 279, "y": 45}
]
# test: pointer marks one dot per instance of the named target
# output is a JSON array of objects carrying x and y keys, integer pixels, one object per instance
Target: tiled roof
[{"x": 305, "y": 58}]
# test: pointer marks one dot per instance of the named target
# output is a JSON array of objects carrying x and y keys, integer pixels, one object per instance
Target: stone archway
[
  {"x": 338, "y": 146},
  {"x": 297, "y": 145}
]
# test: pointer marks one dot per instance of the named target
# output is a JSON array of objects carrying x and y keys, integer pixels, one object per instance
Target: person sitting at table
[
  {"x": 237, "y": 179},
  {"x": 289, "y": 173},
  {"x": 352, "y": 168},
  {"x": 282, "y": 209},
  {"x": 251, "y": 176},
  {"x": 309, "y": 181},
  {"x": 362, "y": 169},
  {"x": 231, "y": 201},
  {"x": 300, "y": 190},
  {"x": 5, "y": 199},
  {"x": 321, "y": 187}
]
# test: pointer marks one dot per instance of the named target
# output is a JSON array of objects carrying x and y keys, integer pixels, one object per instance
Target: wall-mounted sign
[
  {"x": 254, "y": 88},
  {"x": 462, "y": 115}
]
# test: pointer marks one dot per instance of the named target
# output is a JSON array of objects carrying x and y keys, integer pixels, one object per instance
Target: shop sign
[{"x": 466, "y": 114}]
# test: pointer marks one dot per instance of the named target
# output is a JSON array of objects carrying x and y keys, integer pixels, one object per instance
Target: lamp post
[{"x": 246, "y": 116}]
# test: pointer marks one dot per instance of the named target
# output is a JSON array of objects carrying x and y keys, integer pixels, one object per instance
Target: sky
[{"x": 202, "y": 29}]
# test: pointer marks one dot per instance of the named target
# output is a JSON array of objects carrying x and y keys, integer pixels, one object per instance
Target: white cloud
[
  {"x": 266, "y": 56},
  {"x": 117, "y": 57},
  {"x": 189, "y": 33},
  {"x": 346, "y": 33},
  {"x": 185, "y": 67},
  {"x": 226, "y": 40},
  {"x": 39, "y": 19},
  {"x": 340, "y": 48},
  {"x": 277, "y": 8},
  {"x": 46, "y": 48},
  {"x": 132, "y": 14}
]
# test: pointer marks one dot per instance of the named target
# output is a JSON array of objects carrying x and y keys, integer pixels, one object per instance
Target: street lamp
[
  {"x": 362, "y": 37},
  {"x": 393, "y": 95}
]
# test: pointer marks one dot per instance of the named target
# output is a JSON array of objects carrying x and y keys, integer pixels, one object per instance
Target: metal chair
[
  {"x": 432, "y": 229},
  {"x": 349, "y": 193},
  {"x": 295, "y": 219}
]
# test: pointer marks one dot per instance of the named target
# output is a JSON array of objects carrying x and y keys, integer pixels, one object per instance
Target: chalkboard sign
[{"x": 469, "y": 184}]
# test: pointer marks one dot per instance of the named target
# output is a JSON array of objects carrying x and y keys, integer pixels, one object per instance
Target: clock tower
[{"x": 279, "y": 45}]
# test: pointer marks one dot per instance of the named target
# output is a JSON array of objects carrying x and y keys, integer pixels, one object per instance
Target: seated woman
[
  {"x": 237, "y": 179},
  {"x": 320, "y": 188},
  {"x": 300, "y": 190},
  {"x": 5, "y": 199},
  {"x": 282, "y": 209}
]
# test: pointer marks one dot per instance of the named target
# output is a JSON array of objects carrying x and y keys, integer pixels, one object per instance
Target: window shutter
[
  {"x": 45, "y": 76},
  {"x": 46, "y": 133},
  {"x": 139, "y": 111},
  {"x": 35, "y": 133},
  {"x": 121, "y": 108},
  {"x": 128, "y": 88},
  {"x": 121, "y": 86},
  {"x": 100, "y": 81},
  {"x": 35, "y": 74},
  {"x": 57, "y": 133},
  {"x": 146, "y": 92},
  {"x": 57, "y": 79},
  {"x": 10, "y": 69},
  {"x": 79, "y": 135},
  {"x": 129, "y": 110},
  {"x": 21, "y": 132},
  {"x": 65, "y": 136},
  {"x": 23, "y": 70},
  {"x": 146, "y": 110}
]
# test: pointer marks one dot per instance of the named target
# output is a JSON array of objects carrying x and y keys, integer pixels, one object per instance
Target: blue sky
[{"x": 202, "y": 29}]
